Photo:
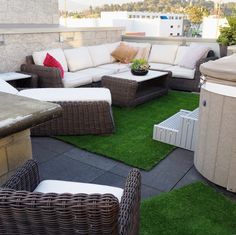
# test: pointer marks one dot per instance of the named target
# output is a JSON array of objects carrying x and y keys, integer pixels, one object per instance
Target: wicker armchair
[{"x": 23, "y": 211}]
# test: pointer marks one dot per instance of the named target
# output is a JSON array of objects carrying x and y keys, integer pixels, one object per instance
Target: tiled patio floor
[{"x": 62, "y": 161}]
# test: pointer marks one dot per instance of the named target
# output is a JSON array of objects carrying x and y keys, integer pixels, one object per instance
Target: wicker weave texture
[
  {"x": 126, "y": 93},
  {"x": 28, "y": 213},
  {"x": 79, "y": 118}
]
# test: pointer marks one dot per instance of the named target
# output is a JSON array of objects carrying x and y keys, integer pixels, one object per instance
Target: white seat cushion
[
  {"x": 97, "y": 73},
  {"x": 68, "y": 94},
  {"x": 181, "y": 72},
  {"x": 78, "y": 58},
  {"x": 116, "y": 67},
  {"x": 58, "y": 54},
  {"x": 99, "y": 54},
  {"x": 164, "y": 54},
  {"x": 7, "y": 88},
  {"x": 76, "y": 79},
  {"x": 57, "y": 186},
  {"x": 159, "y": 66},
  {"x": 181, "y": 52}
]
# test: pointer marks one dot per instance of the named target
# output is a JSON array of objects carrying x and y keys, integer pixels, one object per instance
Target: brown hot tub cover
[{"x": 221, "y": 71}]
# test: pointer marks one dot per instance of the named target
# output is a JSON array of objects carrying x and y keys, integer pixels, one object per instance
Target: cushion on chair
[
  {"x": 100, "y": 54},
  {"x": 143, "y": 49},
  {"x": 57, "y": 186},
  {"x": 180, "y": 72},
  {"x": 181, "y": 52},
  {"x": 97, "y": 73},
  {"x": 124, "y": 53},
  {"x": 111, "y": 47},
  {"x": 68, "y": 94},
  {"x": 76, "y": 79},
  {"x": 159, "y": 66},
  {"x": 78, "y": 58},
  {"x": 58, "y": 54},
  {"x": 7, "y": 88},
  {"x": 50, "y": 61},
  {"x": 192, "y": 55},
  {"x": 164, "y": 54},
  {"x": 115, "y": 67}
]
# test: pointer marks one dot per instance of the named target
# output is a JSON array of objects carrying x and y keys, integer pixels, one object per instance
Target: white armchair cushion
[
  {"x": 164, "y": 54},
  {"x": 58, "y": 54},
  {"x": 76, "y": 79},
  {"x": 181, "y": 52},
  {"x": 7, "y": 88},
  {"x": 68, "y": 94},
  {"x": 78, "y": 58},
  {"x": 159, "y": 66},
  {"x": 180, "y": 72},
  {"x": 57, "y": 186},
  {"x": 99, "y": 54}
]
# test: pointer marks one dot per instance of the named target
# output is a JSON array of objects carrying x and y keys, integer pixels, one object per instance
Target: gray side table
[{"x": 20, "y": 80}]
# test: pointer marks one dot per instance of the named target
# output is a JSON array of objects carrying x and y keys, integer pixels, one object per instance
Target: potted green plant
[
  {"x": 227, "y": 36},
  {"x": 139, "y": 67}
]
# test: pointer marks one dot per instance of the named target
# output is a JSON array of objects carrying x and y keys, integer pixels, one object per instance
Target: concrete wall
[{"x": 29, "y": 12}]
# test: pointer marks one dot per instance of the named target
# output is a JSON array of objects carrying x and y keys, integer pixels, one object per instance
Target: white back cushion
[
  {"x": 197, "y": 52},
  {"x": 163, "y": 54},
  {"x": 111, "y": 47},
  {"x": 99, "y": 54},
  {"x": 58, "y": 54},
  {"x": 6, "y": 87},
  {"x": 181, "y": 52},
  {"x": 78, "y": 58}
]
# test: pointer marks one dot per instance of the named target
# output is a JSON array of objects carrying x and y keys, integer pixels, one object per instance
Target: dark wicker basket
[{"x": 139, "y": 72}]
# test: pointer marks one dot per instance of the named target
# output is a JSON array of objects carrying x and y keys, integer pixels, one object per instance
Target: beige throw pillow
[{"x": 124, "y": 53}]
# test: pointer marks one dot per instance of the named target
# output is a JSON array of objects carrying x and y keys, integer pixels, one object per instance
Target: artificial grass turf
[
  {"x": 132, "y": 141},
  {"x": 196, "y": 209}
]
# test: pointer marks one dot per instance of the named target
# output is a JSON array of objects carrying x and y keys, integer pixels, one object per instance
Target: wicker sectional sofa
[
  {"x": 84, "y": 110},
  {"x": 85, "y": 66}
]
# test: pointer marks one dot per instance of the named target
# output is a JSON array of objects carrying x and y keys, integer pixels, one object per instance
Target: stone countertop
[{"x": 20, "y": 113}]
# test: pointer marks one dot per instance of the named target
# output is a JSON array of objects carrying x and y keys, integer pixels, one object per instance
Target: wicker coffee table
[{"x": 130, "y": 90}]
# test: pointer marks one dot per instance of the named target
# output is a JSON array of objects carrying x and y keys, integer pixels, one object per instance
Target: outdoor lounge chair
[
  {"x": 25, "y": 211},
  {"x": 85, "y": 110}
]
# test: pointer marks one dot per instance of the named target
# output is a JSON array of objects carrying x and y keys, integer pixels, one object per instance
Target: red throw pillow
[{"x": 50, "y": 61}]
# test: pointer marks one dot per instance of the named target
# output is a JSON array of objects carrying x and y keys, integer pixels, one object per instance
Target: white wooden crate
[{"x": 179, "y": 130}]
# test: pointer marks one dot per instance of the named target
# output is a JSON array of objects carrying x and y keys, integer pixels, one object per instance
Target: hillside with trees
[{"x": 173, "y": 6}]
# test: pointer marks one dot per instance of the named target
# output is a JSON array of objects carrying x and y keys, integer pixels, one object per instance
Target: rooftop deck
[{"x": 61, "y": 161}]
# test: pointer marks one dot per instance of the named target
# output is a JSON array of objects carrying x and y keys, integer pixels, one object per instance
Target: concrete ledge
[{"x": 28, "y": 29}]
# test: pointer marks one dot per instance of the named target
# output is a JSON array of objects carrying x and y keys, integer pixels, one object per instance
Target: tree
[{"x": 195, "y": 15}]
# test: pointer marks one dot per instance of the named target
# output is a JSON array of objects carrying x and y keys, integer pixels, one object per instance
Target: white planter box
[{"x": 179, "y": 130}]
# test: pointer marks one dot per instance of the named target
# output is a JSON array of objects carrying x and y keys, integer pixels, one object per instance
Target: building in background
[
  {"x": 211, "y": 26},
  {"x": 145, "y": 23}
]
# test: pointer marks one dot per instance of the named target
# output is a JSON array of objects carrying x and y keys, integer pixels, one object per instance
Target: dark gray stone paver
[
  {"x": 62, "y": 161},
  {"x": 91, "y": 159},
  {"x": 53, "y": 144},
  {"x": 169, "y": 171},
  {"x": 65, "y": 168},
  {"x": 191, "y": 177}
]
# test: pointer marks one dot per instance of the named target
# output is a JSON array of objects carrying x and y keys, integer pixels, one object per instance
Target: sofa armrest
[
  {"x": 25, "y": 178},
  {"x": 130, "y": 204},
  {"x": 197, "y": 75},
  {"x": 48, "y": 77}
]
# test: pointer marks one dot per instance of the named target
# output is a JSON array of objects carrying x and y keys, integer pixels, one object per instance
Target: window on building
[
  {"x": 143, "y": 17},
  {"x": 171, "y": 34},
  {"x": 171, "y": 26},
  {"x": 177, "y": 34},
  {"x": 178, "y": 26},
  {"x": 180, "y": 18}
]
